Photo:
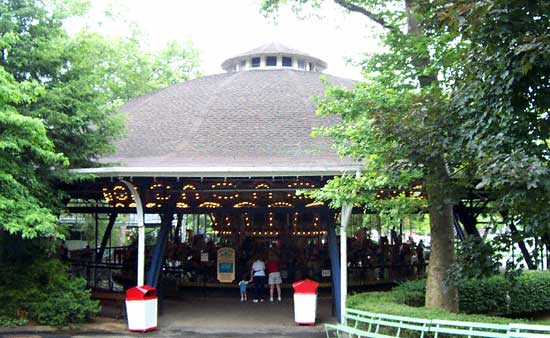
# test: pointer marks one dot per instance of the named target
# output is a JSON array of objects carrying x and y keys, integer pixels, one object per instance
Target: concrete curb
[{"x": 36, "y": 330}]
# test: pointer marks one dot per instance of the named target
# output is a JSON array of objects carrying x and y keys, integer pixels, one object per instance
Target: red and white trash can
[
  {"x": 305, "y": 302},
  {"x": 141, "y": 308}
]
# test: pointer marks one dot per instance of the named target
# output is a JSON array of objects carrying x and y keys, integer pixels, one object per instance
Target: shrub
[
  {"x": 486, "y": 296},
  {"x": 528, "y": 294},
  {"x": 385, "y": 302},
  {"x": 411, "y": 293},
  {"x": 44, "y": 291},
  {"x": 531, "y": 293},
  {"x": 11, "y": 322}
]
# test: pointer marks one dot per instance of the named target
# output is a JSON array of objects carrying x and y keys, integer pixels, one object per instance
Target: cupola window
[
  {"x": 255, "y": 62},
  {"x": 271, "y": 61},
  {"x": 287, "y": 61}
]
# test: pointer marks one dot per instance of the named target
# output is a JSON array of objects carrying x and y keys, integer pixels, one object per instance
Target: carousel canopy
[{"x": 255, "y": 120}]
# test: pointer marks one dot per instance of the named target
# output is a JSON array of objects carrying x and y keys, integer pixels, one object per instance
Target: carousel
[{"x": 225, "y": 162}]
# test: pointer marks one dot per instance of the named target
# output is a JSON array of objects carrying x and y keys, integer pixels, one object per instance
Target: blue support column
[
  {"x": 158, "y": 252},
  {"x": 334, "y": 263},
  {"x": 106, "y": 236}
]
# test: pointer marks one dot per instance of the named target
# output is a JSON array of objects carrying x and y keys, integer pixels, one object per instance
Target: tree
[
  {"x": 138, "y": 72},
  {"x": 460, "y": 100},
  {"x": 26, "y": 159},
  {"x": 502, "y": 99},
  {"x": 396, "y": 122},
  {"x": 86, "y": 78},
  {"x": 73, "y": 87},
  {"x": 58, "y": 101}
]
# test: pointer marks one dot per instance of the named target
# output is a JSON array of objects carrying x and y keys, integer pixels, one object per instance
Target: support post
[
  {"x": 334, "y": 263},
  {"x": 141, "y": 233},
  {"x": 524, "y": 251},
  {"x": 177, "y": 230},
  {"x": 96, "y": 232},
  {"x": 345, "y": 216},
  {"x": 158, "y": 251},
  {"x": 106, "y": 236}
]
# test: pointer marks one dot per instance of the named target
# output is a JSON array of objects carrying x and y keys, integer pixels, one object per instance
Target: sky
[{"x": 220, "y": 29}]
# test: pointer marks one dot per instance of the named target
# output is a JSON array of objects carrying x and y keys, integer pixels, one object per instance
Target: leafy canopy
[{"x": 59, "y": 97}]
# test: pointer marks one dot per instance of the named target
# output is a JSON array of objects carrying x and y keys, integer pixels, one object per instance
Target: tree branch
[{"x": 358, "y": 9}]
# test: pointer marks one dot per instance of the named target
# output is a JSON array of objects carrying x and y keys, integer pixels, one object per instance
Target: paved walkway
[{"x": 198, "y": 317}]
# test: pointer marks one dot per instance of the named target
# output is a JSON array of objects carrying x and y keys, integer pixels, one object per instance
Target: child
[{"x": 242, "y": 287}]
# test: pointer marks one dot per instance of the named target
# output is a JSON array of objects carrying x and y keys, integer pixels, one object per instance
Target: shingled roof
[{"x": 241, "y": 121}]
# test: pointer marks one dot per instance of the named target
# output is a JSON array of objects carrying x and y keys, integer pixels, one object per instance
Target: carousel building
[{"x": 232, "y": 149}]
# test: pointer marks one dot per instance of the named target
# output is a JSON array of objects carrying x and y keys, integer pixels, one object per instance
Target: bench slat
[
  {"x": 470, "y": 324},
  {"x": 529, "y": 327},
  {"x": 463, "y": 332},
  {"x": 406, "y": 319},
  {"x": 346, "y": 329},
  {"x": 376, "y": 322},
  {"x": 527, "y": 335},
  {"x": 403, "y": 325}
]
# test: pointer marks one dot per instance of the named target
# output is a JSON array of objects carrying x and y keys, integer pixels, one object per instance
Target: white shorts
[{"x": 275, "y": 278}]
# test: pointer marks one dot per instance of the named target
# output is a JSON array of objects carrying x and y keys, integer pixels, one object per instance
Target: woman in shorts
[{"x": 274, "y": 276}]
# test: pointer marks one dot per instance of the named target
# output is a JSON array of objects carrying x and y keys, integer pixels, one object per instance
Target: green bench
[
  {"x": 446, "y": 328},
  {"x": 366, "y": 324},
  {"x": 358, "y": 323},
  {"x": 363, "y": 324},
  {"x": 526, "y": 330}
]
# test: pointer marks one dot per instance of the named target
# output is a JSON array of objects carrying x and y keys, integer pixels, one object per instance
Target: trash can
[
  {"x": 305, "y": 302},
  {"x": 141, "y": 308}
]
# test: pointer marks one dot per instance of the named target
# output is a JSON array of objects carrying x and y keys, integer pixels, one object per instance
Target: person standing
[
  {"x": 274, "y": 277},
  {"x": 420, "y": 259},
  {"x": 258, "y": 277},
  {"x": 242, "y": 288}
]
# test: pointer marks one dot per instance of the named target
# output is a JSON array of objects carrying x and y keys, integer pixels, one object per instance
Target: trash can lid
[
  {"x": 305, "y": 286},
  {"x": 143, "y": 292}
]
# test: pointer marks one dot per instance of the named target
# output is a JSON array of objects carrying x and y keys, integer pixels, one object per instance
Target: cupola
[{"x": 274, "y": 56}]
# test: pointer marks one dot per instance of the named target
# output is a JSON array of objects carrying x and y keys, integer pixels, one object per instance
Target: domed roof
[
  {"x": 240, "y": 122},
  {"x": 276, "y": 49}
]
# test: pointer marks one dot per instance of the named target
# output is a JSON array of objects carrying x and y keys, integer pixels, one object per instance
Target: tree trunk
[{"x": 438, "y": 292}]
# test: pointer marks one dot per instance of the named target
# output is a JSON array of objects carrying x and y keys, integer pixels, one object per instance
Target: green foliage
[
  {"x": 531, "y": 294},
  {"x": 27, "y": 157},
  {"x": 476, "y": 258},
  {"x": 384, "y": 302},
  {"x": 502, "y": 98},
  {"x": 526, "y": 295},
  {"x": 86, "y": 77},
  {"x": 460, "y": 100},
  {"x": 411, "y": 293},
  {"x": 58, "y": 101},
  {"x": 43, "y": 291},
  {"x": 11, "y": 322},
  {"x": 66, "y": 303},
  {"x": 134, "y": 71},
  {"x": 397, "y": 123}
]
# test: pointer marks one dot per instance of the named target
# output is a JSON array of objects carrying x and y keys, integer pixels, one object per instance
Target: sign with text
[
  {"x": 204, "y": 256},
  {"x": 226, "y": 265}
]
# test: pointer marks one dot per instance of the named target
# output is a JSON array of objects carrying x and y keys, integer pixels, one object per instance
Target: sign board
[
  {"x": 325, "y": 273},
  {"x": 226, "y": 265},
  {"x": 204, "y": 256}
]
